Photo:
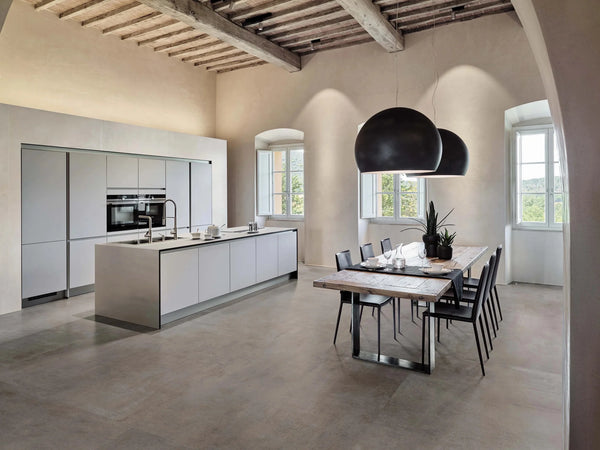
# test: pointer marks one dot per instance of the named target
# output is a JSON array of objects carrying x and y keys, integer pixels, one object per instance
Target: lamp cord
[
  {"x": 396, "y": 56},
  {"x": 435, "y": 70}
]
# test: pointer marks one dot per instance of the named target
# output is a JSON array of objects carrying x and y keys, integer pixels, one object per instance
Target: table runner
[{"x": 455, "y": 275}]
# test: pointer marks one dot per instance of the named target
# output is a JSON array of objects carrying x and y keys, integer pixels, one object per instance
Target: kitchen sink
[{"x": 145, "y": 240}]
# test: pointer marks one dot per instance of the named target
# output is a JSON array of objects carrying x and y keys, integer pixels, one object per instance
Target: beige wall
[
  {"x": 485, "y": 67},
  {"x": 565, "y": 36},
  {"x": 60, "y": 66}
]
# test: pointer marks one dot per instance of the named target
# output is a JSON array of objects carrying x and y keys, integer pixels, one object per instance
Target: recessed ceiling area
[{"x": 225, "y": 35}]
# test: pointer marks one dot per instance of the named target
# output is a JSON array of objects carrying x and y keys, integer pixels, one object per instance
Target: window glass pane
[
  {"x": 555, "y": 148},
  {"x": 558, "y": 208},
  {"x": 297, "y": 182},
  {"x": 408, "y": 184},
  {"x": 279, "y": 163},
  {"x": 296, "y": 159},
  {"x": 385, "y": 205},
  {"x": 298, "y": 204},
  {"x": 533, "y": 178},
  {"x": 408, "y": 205},
  {"x": 280, "y": 204},
  {"x": 533, "y": 208},
  {"x": 533, "y": 147},
  {"x": 557, "y": 178},
  {"x": 385, "y": 182},
  {"x": 279, "y": 182}
]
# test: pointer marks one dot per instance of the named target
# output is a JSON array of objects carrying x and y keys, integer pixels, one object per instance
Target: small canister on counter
[{"x": 399, "y": 263}]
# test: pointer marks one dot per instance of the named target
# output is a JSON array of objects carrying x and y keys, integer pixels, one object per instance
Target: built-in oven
[
  {"x": 121, "y": 212},
  {"x": 151, "y": 204}
]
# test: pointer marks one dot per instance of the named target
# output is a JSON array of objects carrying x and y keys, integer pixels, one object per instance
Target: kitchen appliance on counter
[{"x": 123, "y": 211}]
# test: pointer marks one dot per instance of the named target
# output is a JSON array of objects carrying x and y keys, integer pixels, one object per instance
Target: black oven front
[{"x": 121, "y": 212}]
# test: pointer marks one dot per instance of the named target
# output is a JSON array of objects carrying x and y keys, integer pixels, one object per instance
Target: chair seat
[
  {"x": 450, "y": 311},
  {"x": 467, "y": 296},
  {"x": 471, "y": 282},
  {"x": 366, "y": 299}
]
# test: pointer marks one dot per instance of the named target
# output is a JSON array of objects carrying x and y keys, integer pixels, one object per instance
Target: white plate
[
  {"x": 429, "y": 271},
  {"x": 367, "y": 266}
]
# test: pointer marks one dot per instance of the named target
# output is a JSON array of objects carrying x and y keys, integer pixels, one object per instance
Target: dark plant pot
[
  {"x": 444, "y": 252},
  {"x": 431, "y": 244}
]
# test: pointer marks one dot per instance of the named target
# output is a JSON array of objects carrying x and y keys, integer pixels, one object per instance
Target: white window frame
[
  {"x": 267, "y": 210},
  {"x": 368, "y": 183},
  {"x": 549, "y": 224}
]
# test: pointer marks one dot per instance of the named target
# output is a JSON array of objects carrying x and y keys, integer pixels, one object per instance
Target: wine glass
[
  {"x": 422, "y": 255},
  {"x": 387, "y": 255}
]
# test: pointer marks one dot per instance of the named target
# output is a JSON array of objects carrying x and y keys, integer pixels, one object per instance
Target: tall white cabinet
[
  {"x": 43, "y": 222},
  {"x": 200, "y": 194},
  {"x": 178, "y": 189}
]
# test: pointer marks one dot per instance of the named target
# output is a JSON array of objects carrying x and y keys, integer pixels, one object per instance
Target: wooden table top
[{"x": 405, "y": 286}]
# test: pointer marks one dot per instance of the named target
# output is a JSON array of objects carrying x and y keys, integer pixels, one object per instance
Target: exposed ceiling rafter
[
  {"x": 370, "y": 18},
  {"x": 206, "y": 20}
]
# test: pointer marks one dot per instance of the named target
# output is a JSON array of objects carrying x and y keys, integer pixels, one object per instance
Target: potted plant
[
  {"x": 444, "y": 250},
  {"x": 430, "y": 228}
]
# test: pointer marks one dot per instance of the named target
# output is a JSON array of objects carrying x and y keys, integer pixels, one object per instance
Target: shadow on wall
[{"x": 265, "y": 187}]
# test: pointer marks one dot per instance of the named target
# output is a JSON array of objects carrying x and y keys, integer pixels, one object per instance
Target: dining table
[{"x": 427, "y": 289}]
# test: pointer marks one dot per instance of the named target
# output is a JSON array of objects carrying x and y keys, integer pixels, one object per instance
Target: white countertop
[{"x": 186, "y": 240}]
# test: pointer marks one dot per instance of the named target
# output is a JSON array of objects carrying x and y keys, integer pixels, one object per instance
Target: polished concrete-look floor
[{"x": 263, "y": 373}]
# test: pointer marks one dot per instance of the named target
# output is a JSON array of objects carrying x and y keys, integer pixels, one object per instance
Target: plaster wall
[
  {"x": 61, "y": 66},
  {"x": 485, "y": 67},
  {"x": 24, "y": 125},
  {"x": 564, "y": 36}
]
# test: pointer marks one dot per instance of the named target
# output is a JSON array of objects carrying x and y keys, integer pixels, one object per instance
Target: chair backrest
[
  {"x": 482, "y": 288},
  {"x": 495, "y": 269},
  {"x": 366, "y": 251},
  {"x": 386, "y": 245},
  {"x": 343, "y": 260}
]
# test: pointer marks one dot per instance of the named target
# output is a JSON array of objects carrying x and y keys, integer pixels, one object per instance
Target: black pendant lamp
[
  {"x": 398, "y": 140},
  {"x": 455, "y": 157}
]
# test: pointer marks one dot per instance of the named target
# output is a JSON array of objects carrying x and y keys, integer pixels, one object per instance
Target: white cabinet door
[
  {"x": 43, "y": 196},
  {"x": 44, "y": 268},
  {"x": 152, "y": 173},
  {"x": 81, "y": 261},
  {"x": 178, "y": 190},
  {"x": 214, "y": 270},
  {"x": 87, "y": 195},
  {"x": 178, "y": 280},
  {"x": 242, "y": 254},
  {"x": 288, "y": 258},
  {"x": 121, "y": 172},
  {"x": 267, "y": 255},
  {"x": 201, "y": 194}
]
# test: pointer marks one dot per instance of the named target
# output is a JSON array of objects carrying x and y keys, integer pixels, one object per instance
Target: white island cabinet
[{"x": 152, "y": 284}]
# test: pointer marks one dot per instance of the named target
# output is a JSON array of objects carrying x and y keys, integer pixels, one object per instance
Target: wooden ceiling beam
[
  {"x": 310, "y": 30},
  {"x": 131, "y": 22},
  {"x": 231, "y": 63},
  {"x": 437, "y": 10},
  {"x": 201, "y": 37},
  {"x": 231, "y": 57},
  {"x": 242, "y": 66},
  {"x": 336, "y": 11},
  {"x": 206, "y": 20},
  {"x": 264, "y": 8},
  {"x": 371, "y": 19},
  {"x": 151, "y": 29},
  {"x": 218, "y": 50},
  {"x": 165, "y": 35},
  {"x": 109, "y": 14},
  {"x": 341, "y": 31},
  {"x": 197, "y": 48},
  {"x": 69, "y": 13},
  {"x": 44, "y": 4}
]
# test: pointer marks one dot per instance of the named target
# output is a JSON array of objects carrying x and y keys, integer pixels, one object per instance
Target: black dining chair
[
  {"x": 469, "y": 296},
  {"x": 473, "y": 282},
  {"x": 470, "y": 314},
  {"x": 386, "y": 244},
  {"x": 343, "y": 260}
]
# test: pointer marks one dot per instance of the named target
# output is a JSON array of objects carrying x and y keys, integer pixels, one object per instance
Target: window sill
[
  {"x": 286, "y": 218},
  {"x": 405, "y": 221},
  {"x": 536, "y": 228}
]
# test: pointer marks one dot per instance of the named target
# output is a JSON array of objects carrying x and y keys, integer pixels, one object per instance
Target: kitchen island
[{"x": 151, "y": 284}]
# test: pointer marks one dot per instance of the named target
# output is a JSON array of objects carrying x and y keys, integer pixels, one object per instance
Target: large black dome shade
[
  {"x": 398, "y": 140},
  {"x": 455, "y": 157}
]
